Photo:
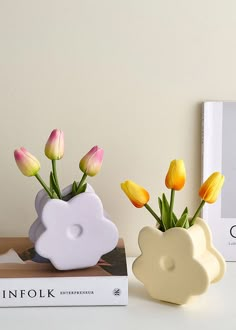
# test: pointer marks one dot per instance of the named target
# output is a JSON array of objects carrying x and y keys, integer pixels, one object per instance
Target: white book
[
  {"x": 219, "y": 154},
  {"x": 26, "y": 282}
]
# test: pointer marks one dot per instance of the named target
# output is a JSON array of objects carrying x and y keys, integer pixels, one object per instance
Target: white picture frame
[{"x": 219, "y": 154}]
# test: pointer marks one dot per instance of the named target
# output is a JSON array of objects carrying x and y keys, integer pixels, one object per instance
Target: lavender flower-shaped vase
[{"x": 72, "y": 234}]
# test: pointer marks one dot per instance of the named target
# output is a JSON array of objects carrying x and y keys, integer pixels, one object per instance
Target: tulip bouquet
[
  {"x": 90, "y": 165},
  {"x": 72, "y": 229},
  {"x": 175, "y": 181}
]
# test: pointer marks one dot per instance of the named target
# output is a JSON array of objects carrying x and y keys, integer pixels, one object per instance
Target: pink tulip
[
  {"x": 54, "y": 148},
  {"x": 27, "y": 163},
  {"x": 91, "y": 163}
]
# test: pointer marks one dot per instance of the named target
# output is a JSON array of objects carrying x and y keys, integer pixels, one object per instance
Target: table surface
[{"x": 216, "y": 310}]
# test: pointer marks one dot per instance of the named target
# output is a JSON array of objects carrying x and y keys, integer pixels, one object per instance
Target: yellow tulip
[
  {"x": 137, "y": 194},
  {"x": 176, "y": 175},
  {"x": 210, "y": 189}
]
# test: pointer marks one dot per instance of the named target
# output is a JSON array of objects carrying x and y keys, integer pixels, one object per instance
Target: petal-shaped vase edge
[
  {"x": 201, "y": 230},
  {"x": 209, "y": 241}
]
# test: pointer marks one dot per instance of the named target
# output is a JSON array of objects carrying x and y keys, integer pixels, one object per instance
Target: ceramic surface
[
  {"x": 178, "y": 264},
  {"x": 37, "y": 228},
  {"x": 73, "y": 234}
]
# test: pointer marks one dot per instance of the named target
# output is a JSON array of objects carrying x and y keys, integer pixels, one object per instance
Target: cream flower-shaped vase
[
  {"x": 73, "y": 234},
  {"x": 178, "y": 264}
]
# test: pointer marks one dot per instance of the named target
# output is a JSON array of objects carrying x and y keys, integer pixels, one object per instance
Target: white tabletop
[{"x": 214, "y": 310}]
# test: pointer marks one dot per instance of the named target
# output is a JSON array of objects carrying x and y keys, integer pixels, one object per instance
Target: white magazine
[{"x": 26, "y": 281}]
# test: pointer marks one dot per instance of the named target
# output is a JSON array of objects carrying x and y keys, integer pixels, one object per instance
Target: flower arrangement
[
  {"x": 72, "y": 229},
  {"x": 175, "y": 181},
  {"x": 29, "y": 165}
]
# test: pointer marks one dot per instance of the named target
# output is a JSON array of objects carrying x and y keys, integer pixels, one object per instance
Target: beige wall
[{"x": 127, "y": 75}]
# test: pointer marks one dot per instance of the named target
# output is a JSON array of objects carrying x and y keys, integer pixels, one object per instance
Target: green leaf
[
  {"x": 53, "y": 184},
  {"x": 174, "y": 219},
  {"x": 165, "y": 210},
  {"x": 187, "y": 225},
  {"x": 54, "y": 195},
  {"x": 160, "y": 205},
  {"x": 165, "y": 201},
  {"x": 182, "y": 221},
  {"x": 74, "y": 188},
  {"x": 82, "y": 189},
  {"x": 184, "y": 211},
  {"x": 187, "y": 221}
]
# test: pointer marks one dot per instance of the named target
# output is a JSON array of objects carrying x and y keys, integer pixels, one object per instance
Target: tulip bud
[
  {"x": 210, "y": 189},
  {"x": 27, "y": 163},
  {"x": 176, "y": 175},
  {"x": 137, "y": 194},
  {"x": 54, "y": 148},
  {"x": 91, "y": 163}
]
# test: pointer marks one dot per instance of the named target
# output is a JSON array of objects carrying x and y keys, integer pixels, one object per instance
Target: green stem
[
  {"x": 38, "y": 177},
  {"x": 54, "y": 171},
  {"x": 172, "y": 198},
  {"x": 82, "y": 181},
  {"x": 191, "y": 222},
  {"x": 153, "y": 213}
]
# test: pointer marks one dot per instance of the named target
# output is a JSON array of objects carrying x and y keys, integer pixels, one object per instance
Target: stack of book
[{"x": 26, "y": 280}]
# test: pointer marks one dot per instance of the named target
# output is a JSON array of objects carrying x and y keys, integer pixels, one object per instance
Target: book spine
[{"x": 70, "y": 291}]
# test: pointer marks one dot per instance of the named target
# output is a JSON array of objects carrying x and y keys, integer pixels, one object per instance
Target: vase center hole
[
  {"x": 74, "y": 231},
  {"x": 167, "y": 263}
]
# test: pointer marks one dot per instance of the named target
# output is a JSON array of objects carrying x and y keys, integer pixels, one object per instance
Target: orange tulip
[
  {"x": 137, "y": 194},
  {"x": 176, "y": 175},
  {"x": 210, "y": 189}
]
